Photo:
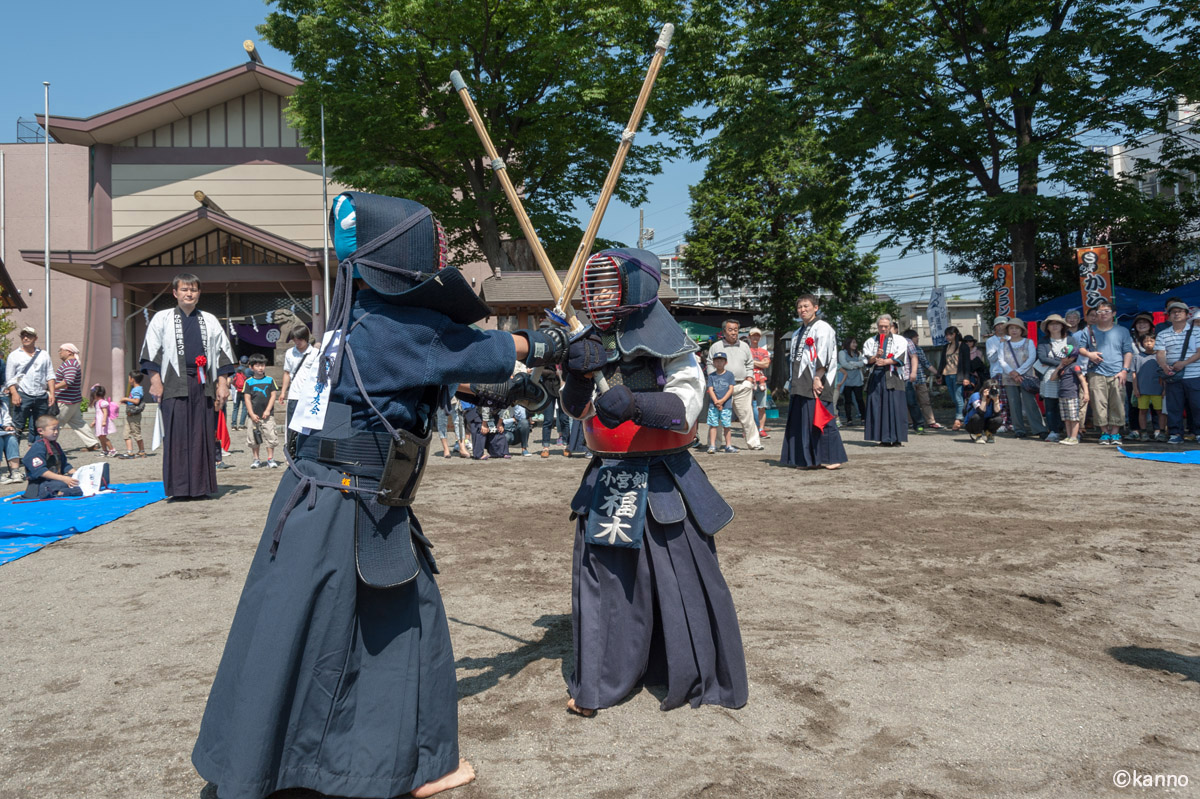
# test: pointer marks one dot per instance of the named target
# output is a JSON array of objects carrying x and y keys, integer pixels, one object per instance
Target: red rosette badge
[{"x": 201, "y": 369}]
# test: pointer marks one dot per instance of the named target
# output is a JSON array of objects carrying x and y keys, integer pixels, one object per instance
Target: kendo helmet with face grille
[{"x": 617, "y": 283}]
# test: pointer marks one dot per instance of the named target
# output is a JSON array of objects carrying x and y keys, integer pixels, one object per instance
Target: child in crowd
[
  {"x": 984, "y": 413},
  {"x": 1072, "y": 395},
  {"x": 260, "y": 392},
  {"x": 46, "y": 464},
  {"x": 720, "y": 411},
  {"x": 134, "y": 405},
  {"x": 103, "y": 423},
  {"x": 1148, "y": 389},
  {"x": 238, "y": 383},
  {"x": 10, "y": 443}
]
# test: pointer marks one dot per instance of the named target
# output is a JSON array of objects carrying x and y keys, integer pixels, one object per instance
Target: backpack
[{"x": 239, "y": 379}]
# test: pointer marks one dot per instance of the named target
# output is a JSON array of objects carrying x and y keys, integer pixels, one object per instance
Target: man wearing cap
[
  {"x": 1109, "y": 349},
  {"x": 189, "y": 360},
  {"x": 68, "y": 382},
  {"x": 29, "y": 379},
  {"x": 741, "y": 363},
  {"x": 1178, "y": 349}
]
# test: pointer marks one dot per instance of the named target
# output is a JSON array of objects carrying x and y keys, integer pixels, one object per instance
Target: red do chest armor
[{"x": 630, "y": 438}]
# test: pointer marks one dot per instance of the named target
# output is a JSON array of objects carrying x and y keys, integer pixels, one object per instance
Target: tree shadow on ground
[
  {"x": 1159, "y": 660},
  {"x": 555, "y": 643}
]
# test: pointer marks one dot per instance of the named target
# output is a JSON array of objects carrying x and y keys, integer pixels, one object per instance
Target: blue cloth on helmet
[{"x": 345, "y": 229}]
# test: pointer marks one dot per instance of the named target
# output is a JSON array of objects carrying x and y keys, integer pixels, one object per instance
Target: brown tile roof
[{"x": 529, "y": 288}]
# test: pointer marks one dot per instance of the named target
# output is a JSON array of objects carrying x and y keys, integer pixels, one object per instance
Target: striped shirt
[
  {"x": 69, "y": 373},
  {"x": 1171, "y": 343}
]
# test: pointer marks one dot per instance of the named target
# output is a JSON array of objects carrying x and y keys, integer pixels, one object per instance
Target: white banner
[{"x": 939, "y": 316}]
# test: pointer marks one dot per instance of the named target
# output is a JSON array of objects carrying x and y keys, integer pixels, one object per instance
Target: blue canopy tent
[
  {"x": 1189, "y": 292},
  {"x": 1128, "y": 302}
]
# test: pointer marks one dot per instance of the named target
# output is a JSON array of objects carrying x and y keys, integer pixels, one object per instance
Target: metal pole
[
  {"x": 2, "y": 205},
  {"x": 325, "y": 207},
  {"x": 46, "y": 254},
  {"x": 641, "y": 227}
]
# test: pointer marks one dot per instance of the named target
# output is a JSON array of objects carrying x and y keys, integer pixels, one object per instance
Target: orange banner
[
  {"x": 1002, "y": 277},
  {"x": 1095, "y": 275}
]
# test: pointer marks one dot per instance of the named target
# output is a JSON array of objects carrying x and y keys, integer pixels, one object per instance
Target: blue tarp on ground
[
  {"x": 27, "y": 526},
  {"x": 1190, "y": 456}
]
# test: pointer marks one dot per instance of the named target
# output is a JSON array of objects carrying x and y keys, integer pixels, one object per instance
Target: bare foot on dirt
[
  {"x": 832, "y": 466},
  {"x": 460, "y": 776},
  {"x": 586, "y": 712}
]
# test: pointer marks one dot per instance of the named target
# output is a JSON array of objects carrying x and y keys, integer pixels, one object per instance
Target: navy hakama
[
  {"x": 189, "y": 443},
  {"x": 886, "y": 419},
  {"x": 660, "y": 614},
  {"x": 497, "y": 443},
  {"x": 326, "y": 683},
  {"x": 803, "y": 443}
]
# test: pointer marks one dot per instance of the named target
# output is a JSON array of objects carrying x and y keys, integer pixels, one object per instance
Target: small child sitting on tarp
[{"x": 46, "y": 464}]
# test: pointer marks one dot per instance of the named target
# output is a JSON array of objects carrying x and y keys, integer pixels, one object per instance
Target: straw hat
[
  {"x": 1019, "y": 323},
  {"x": 1054, "y": 318}
]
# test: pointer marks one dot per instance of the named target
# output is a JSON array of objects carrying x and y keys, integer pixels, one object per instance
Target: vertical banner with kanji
[
  {"x": 1002, "y": 275},
  {"x": 1095, "y": 275},
  {"x": 939, "y": 316}
]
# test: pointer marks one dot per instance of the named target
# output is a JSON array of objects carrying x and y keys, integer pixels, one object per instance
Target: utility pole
[{"x": 644, "y": 234}]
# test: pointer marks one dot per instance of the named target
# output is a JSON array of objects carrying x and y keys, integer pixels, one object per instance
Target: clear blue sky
[{"x": 101, "y": 55}]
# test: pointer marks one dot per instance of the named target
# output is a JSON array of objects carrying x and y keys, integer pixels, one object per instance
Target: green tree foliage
[
  {"x": 554, "y": 80},
  {"x": 768, "y": 215},
  {"x": 986, "y": 108}
]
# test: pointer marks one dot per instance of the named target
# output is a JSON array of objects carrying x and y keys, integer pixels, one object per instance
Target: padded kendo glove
[
  {"x": 649, "y": 409},
  {"x": 547, "y": 346},
  {"x": 586, "y": 354},
  {"x": 520, "y": 390}
]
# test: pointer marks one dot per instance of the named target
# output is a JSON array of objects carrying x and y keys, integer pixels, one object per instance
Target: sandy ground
[{"x": 940, "y": 620}]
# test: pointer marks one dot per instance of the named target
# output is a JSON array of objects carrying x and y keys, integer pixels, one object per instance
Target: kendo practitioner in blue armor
[
  {"x": 648, "y": 602},
  {"x": 338, "y": 674}
]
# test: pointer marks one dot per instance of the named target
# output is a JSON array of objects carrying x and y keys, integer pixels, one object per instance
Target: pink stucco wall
[{"x": 79, "y": 311}]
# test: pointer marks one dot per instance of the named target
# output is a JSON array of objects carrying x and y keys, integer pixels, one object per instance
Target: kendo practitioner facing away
[
  {"x": 648, "y": 601},
  {"x": 338, "y": 674}
]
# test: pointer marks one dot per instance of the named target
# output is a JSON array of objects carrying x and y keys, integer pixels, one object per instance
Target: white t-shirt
[{"x": 302, "y": 369}]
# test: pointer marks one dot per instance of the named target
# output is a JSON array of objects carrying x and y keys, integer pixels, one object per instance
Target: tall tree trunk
[
  {"x": 487, "y": 232},
  {"x": 1022, "y": 234},
  {"x": 1023, "y": 245}
]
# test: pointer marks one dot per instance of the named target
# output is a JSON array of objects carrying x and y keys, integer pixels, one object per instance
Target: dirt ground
[{"x": 939, "y": 620}]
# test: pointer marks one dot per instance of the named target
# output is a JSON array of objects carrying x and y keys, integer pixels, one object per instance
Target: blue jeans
[
  {"x": 955, "y": 387},
  {"x": 240, "y": 414},
  {"x": 12, "y": 449},
  {"x": 29, "y": 410},
  {"x": 1053, "y": 417},
  {"x": 554, "y": 419},
  {"x": 914, "y": 408},
  {"x": 521, "y": 434}
]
